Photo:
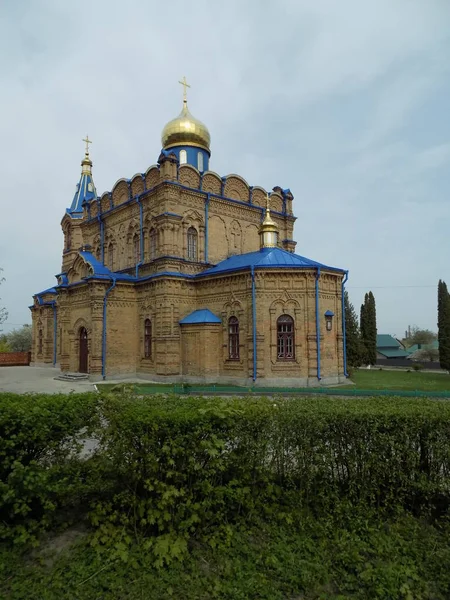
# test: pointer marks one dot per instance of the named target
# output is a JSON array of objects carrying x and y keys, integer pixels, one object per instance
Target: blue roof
[
  {"x": 47, "y": 291},
  {"x": 329, "y": 313},
  {"x": 274, "y": 258},
  {"x": 100, "y": 270},
  {"x": 85, "y": 192},
  {"x": 98, "y": 267},
  {"x": 200, "y": 316},
  {"x": 39, "y": 295}
]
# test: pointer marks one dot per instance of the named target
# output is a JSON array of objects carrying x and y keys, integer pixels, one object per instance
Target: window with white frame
[{"x": 200, "y": 161}]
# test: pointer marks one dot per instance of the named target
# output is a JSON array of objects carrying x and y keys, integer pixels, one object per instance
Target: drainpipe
[
  {"x": 105, "y": 300},
  {"x": 208, "y": 198},
  {"x": 102, "y": 235},
  {"x": 254, "y": 321},
  {"x": 318, "y": 324},
  {"x": 55, "y": 336},
  {"x": 344, "y": 334},
  {"x": 141, "y": 234}
]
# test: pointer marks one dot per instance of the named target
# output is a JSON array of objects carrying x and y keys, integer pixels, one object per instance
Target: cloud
[{"x": 343, "y": 102}]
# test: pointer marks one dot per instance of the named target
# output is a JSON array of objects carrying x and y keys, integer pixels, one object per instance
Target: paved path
[{"x": 22, "y": 380}]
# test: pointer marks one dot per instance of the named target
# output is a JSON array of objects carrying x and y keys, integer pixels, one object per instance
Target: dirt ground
[{"x": 22, "y": 380}]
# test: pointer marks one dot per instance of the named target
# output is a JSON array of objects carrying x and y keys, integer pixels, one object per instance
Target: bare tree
[{"x": 3, "y": 311}]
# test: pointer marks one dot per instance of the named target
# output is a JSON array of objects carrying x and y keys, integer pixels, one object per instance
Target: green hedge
[
  {"x": 40, "y": 438},
  {"x": 170, "y": 468},
  {"x": 180, "y": 466}
]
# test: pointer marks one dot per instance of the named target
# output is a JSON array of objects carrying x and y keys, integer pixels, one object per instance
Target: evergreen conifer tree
[
  {"x": 353, "y": 339},
  {"x": 444, "y": 325},
  {"x": 368, "y": 326},
  {"x": 372, "y": 330}
]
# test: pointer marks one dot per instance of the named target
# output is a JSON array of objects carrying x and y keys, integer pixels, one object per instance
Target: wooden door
[{"x": 83, "y": 366}]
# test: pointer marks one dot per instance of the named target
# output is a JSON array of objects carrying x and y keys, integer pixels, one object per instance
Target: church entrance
[{"x": 83, "y": 366}]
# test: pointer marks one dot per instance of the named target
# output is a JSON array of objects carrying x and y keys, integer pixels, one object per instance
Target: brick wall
[{"x": 14, "y": 359}]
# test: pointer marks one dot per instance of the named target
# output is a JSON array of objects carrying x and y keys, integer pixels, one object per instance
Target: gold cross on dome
[
  {"x": 185, "y": 85},
  {"x": 88, "y": 141}
]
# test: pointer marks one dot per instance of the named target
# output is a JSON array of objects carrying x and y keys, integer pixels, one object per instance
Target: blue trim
[
  {"x": 212, "y": 195},
  {"x": 254, "y": 321},
  {"x": 105, "y": 300},
  {"x": 141, "y": 237},
  {"x": 329, "y": 313},
  {"x": 318, "y": 324},
  {"x": 344, "y": 331},
  {"x": 208, "y": 198}
]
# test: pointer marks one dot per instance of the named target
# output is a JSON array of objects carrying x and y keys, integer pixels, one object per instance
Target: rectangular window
[
  {"x": 192, "y": 243},
  {"x": 233, "y": 339},
  {"x": 285, "y": 338},
  {"x": 147, "y": 339}
]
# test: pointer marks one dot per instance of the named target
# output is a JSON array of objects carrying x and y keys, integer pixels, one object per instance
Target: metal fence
[
  {"x": 409, "y": 364},
  {"x": 226, "y": 390}
]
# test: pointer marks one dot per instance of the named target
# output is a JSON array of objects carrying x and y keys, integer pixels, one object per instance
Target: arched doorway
[{"x": 84, "y": 351}]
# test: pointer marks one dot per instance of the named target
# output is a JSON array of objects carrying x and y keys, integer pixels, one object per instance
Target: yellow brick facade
[{"x": 129, "y": 261}]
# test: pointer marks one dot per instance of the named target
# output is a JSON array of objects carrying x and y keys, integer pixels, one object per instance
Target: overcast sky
[{"x": 345, "y": 102}]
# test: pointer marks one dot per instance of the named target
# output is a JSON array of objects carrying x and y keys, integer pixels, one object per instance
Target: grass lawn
[
  {"x": 364, "y": 379},
  {"x": 307, "y": 558},
  {"x": 374, "y": 379}
]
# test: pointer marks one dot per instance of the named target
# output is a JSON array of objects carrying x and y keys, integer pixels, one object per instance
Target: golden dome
[{"x": 185, "y": 130}]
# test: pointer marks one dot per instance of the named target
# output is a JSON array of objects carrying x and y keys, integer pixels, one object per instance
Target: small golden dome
[
  {"x": 268, "y": 230},
  {"x": 185, "y": 130}
]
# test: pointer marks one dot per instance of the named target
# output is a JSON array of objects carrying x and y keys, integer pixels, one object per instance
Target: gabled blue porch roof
[{"x": 98, "y": 267}]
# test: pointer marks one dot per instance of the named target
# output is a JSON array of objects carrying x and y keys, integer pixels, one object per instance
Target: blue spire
[{"x": 85, "y": 191}]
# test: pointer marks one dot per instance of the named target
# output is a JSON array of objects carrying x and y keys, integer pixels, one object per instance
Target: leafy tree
[
  {"x": 444, "y": 325},
  {"x": 420, "y": 336},
  {"x": 368, "y": 326},
  {"x": 3, "y": 311},
  {"x": 19, "y": 340},
  {"x": 4, "y": 347},
  {"x": 353, "y": 338},
  {"x": 426, "y": 354}
]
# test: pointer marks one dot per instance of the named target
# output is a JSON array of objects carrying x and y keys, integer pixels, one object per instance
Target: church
[{"x": 181, "y": 275}]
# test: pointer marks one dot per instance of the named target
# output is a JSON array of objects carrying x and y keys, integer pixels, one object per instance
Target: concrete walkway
[{"x": 23, "y": 380}]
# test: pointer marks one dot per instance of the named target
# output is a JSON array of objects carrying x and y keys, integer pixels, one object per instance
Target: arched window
[
  {"x": 285, "y": 338},
  {"x": 111, "y": 256},
  {"x": 147, "y": 338},
  {"x": 192, "y": 237},
  {"x": 153, "y": 238},
  {"x": 183, "y": 157},
  {"x": 137, "y": 248},
  {"x": 233, "y": 338},
  {"x": 200, "y": 161},
  {"x": 40, "y": 341}
]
